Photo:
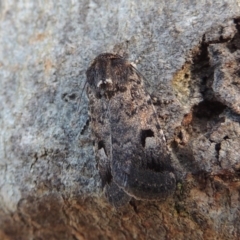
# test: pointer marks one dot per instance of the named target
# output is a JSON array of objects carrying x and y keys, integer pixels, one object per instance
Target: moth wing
[
  {"x": 103, "y": 150},
  {"x": 130, "y": 147},
  {"x": 140, "y": 160},
  {"x": 115, "y": 195},
  {"x": 101, "y": 133}
]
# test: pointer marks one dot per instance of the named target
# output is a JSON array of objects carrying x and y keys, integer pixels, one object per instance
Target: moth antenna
[
  {"x": 156, "y": 116},
  {"x": 80, "y": 98},
  {"x": 149, "y": 85},
  {"x": 141, "y": 75}
]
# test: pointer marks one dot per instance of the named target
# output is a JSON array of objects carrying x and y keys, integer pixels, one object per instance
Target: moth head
[{"x": 109, "y": 74}]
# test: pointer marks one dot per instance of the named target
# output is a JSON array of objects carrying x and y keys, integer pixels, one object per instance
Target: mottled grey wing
[
  {"x": 101, "y": 132},
  {"x": 140, "y": 160}
]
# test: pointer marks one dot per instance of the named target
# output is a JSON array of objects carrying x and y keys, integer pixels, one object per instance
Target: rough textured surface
[{"x": 189, "y": 53}]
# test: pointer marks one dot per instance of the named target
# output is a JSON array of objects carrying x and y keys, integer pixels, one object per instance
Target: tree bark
[{"x": 188, "y": 51}]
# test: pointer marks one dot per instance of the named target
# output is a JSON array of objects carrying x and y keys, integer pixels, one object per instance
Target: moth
[{"x": 130, "y": 148}]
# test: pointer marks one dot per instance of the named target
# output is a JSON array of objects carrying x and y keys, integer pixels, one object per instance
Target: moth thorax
[{"x": 104, "y": 83}]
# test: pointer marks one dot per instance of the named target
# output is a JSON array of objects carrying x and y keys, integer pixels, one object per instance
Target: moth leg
[{"x": 116, "y": 196}]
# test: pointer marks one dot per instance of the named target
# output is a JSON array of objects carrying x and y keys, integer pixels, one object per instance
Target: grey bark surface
[{"x": 189, "y": 52}]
